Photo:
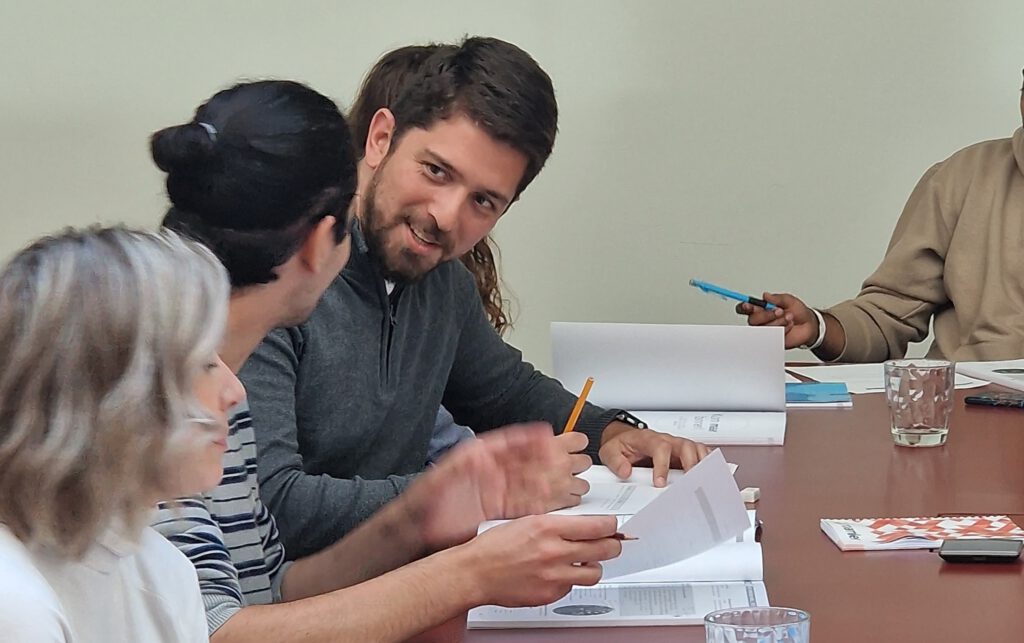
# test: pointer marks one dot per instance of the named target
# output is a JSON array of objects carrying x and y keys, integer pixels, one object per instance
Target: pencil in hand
[
  {"x": 619, "y": 536},
  {"x": 576, "y": 410}
]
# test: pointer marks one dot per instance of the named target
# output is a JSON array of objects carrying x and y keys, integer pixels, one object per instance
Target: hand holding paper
[
  {"x": 698, "y": 511},
  {"x": 631, "y": 446},
  {"x": 537, "y": 559}
]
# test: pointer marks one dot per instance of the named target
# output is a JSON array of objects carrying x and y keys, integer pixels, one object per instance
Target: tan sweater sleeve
[{"x": 896, "y": 303}]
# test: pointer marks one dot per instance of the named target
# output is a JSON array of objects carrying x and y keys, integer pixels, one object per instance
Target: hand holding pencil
[{"x": 578, "y": 408}]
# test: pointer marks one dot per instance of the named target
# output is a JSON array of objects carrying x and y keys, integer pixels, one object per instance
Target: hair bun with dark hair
[{"x": 182, "y": 147}]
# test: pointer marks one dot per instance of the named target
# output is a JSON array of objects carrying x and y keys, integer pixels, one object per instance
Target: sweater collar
[
  {"x": 358, "y": 238},
  {"x": 1018, "y": 149}
]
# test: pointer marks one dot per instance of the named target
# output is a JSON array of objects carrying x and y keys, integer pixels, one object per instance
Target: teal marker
[{"x": 725, "y": 293}]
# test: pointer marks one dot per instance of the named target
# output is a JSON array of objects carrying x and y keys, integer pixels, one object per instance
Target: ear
[
  {"x": 379, "y": 137},
  {"x": 315, "y": 251}
]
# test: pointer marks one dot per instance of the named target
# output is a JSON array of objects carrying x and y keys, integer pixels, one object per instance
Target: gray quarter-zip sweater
[{"x": 344, "y": 405}]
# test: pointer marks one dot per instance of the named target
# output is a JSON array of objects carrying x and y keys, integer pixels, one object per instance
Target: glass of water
[
  {"x": 920, "y": 395},
  {"x": 758, "y": 625}
]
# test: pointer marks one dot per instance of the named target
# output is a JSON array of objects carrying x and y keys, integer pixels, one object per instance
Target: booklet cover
[
  {"x": 870, "y": 534},
  {"x": 830, "y": 395},
  {"x": 729, "y": 389}
]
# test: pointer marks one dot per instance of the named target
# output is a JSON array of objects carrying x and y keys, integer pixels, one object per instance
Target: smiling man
[{"x": 346, "y": 402}]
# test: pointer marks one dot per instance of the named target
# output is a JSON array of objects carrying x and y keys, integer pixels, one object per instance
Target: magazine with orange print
[{"x": 869, "y": 534}]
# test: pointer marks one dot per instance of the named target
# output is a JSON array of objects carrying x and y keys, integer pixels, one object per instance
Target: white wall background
[{"x": 760, "y": 144}]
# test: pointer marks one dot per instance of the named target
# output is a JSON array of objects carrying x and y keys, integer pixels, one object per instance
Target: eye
[
  {"x": 209, "y": 367},
  {"x": 434, "y": 171},
  {"x": 484, "y": 202}
]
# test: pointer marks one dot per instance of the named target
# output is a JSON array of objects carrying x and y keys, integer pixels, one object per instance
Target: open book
[
  {"x": 715, "y": 384},
  {"x": 730, "y": 575},
  {"x": 633, "y": 592}
]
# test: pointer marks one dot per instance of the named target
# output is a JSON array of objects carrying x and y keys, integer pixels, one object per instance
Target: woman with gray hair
[{"x": 112, "y": 397}]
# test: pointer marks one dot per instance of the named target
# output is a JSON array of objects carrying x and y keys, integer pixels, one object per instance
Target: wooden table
[{"x": 842, "y": 463}]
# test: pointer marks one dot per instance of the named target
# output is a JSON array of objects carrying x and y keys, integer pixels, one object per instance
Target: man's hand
[
  {"x": 506, "y": 473},
  {"x": 536, "y": 560},
  {"x": 801, "y": 324},
  {"x": 623, "y": 446}
]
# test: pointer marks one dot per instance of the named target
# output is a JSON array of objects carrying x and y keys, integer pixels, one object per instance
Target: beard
[{"x": 398, "y": 264}]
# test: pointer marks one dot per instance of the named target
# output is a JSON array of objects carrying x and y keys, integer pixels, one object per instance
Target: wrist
[
  {"x": 467, "y": 572},
  {"x": 822, "y": 328},
  {"x": 614, "y": 428},
  {"x": 406, "y": 519}
]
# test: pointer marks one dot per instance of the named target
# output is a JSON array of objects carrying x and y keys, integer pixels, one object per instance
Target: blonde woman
[{"x": 112, "y": 397}]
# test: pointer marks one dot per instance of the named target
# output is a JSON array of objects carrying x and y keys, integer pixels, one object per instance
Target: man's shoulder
[{"x": 978, "y": 158}]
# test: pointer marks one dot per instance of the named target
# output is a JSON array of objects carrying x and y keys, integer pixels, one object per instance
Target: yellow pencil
[{"x": 575, "y": 415}]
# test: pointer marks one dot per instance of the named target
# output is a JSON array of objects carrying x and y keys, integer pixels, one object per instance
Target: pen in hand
[{"x": 725, "y": 293}]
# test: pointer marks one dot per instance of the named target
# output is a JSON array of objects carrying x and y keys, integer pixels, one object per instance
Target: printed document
[
  {"x": 1008, "y": 373},
  {"x": 697, "y": 512},
  {"x": 609, "y": 605}
]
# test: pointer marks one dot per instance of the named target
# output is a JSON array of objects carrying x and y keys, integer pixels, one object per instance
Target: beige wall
[{"x": 757, "y": 143}]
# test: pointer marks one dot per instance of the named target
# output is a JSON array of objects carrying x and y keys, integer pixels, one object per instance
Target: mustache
[{"x": 430, "y": 229}]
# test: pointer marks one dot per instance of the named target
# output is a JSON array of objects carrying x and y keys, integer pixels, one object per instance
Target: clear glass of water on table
[
  {"x": 758, "y": 625},
  {"x": 920, "y": 396}
]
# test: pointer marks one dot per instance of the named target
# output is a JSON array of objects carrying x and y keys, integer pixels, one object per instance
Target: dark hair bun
[{"x": 182, "y": 147}]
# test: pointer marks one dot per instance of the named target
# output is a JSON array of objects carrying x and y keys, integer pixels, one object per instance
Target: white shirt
[{"x": 120, "y": 591}]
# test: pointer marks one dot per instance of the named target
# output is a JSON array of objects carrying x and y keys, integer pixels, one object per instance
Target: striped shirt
[{"x": 228, "y": 534}]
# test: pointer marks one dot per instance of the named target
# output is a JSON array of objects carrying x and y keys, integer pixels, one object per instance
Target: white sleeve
[
  {"x": 24, "y": 617},
  {"x": 194, "y": 617}
]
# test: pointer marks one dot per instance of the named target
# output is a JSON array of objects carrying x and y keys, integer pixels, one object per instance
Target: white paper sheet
[
  {"x": 721, "y": 428},
  {"x": 640, "y": 475},
  {"x": 865, "y": 378},
  {"x": 697, "y": 512},
  {"x": 610, "y": 496},
  {"x": 735, "y": 560},
  {"x": 1008, "y": 373},
  {"x": 619, "y": 605},
  {"x": 673, "y": 367}
]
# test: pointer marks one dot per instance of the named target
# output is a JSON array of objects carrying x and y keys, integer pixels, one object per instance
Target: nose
[
  {"x": 232, "y": 392},
  {"x": 444, "y": 209}
]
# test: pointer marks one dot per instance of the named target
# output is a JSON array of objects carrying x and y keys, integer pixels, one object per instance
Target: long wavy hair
[{"x": 102, "y": 334}]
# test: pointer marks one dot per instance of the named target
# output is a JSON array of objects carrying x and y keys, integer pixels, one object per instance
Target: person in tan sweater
[{"x": 956, "y": 258}]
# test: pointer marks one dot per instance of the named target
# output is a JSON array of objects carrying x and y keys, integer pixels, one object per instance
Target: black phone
[
  {"x": 980, "y": 550},
  {"x": 1009, "y": 400}
]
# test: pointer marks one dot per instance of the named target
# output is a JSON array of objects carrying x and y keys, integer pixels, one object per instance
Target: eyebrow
[{"x": 502, "y": 200}]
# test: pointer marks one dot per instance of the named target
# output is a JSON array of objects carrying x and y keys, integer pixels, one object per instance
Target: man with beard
[
  {"x": 345, "y": 403},
  {"x": 263, "y": 174}
]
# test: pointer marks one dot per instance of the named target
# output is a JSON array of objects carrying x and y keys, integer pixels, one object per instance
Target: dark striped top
[{"x": 228, "y": 534}]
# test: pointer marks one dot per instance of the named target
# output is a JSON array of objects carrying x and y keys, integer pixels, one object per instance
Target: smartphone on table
[{"x": 980, "y": 550}]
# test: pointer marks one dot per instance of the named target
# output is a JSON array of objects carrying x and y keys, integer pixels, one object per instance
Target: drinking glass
[
  {"x": 758, "y": 625},
  {"x": 920, "y": 395}
]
